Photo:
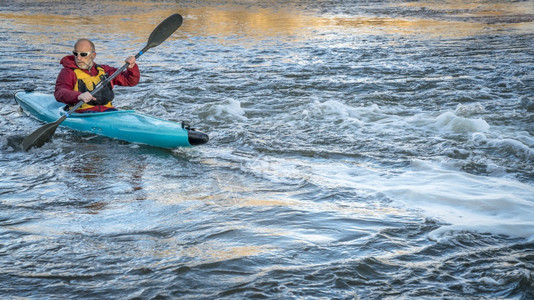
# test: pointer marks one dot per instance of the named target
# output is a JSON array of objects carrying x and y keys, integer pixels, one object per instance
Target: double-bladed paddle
[{"x": 158, "y": 36}]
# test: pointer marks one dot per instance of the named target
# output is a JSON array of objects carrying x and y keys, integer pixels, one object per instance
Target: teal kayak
[{"x": 127, "y": 125}]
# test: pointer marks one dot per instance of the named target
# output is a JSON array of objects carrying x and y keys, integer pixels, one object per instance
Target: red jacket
[{"x": 66, "y": 80}]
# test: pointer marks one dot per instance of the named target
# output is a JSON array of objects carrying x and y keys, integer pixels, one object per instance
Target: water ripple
[{"x": 368, "y": 150}]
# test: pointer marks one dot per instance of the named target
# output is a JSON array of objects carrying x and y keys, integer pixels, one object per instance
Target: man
[{"x": 80, "y": 75}]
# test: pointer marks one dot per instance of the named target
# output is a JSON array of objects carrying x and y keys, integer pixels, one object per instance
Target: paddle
[{"x": 158, "y": 36}]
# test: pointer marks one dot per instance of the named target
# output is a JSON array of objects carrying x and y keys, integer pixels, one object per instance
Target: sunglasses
[{"x": 82, "y": 54}]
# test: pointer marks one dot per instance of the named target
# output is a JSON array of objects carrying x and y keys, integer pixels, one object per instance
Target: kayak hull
[{"x": 127, "y": 125}]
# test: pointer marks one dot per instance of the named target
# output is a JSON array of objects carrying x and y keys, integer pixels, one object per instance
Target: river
[{"x": 358, "y": 150}]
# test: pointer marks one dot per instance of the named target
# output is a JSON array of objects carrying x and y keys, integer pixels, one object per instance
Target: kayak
[{"x": 126, "y": 125}]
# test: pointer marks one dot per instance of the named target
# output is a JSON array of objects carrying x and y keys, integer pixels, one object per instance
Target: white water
[{"x": 436, "y": 188}]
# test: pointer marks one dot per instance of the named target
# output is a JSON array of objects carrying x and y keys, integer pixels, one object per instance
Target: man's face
[{"x": 81, "y": 49}]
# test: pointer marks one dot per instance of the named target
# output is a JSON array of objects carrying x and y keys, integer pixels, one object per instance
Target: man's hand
[
  {"x": 130, "y": 60},
  {"x": 86, "y": 97}
]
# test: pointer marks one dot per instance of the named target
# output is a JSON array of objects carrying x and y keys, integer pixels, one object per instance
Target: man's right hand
[{"x": 86, "y": 97}]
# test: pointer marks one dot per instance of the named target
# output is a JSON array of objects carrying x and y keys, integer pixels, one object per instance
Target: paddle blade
[
  {"x": 40, "y": 136},
  {"x": 164, "y": 30}
]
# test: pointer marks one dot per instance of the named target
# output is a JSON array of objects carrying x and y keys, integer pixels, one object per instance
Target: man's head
[{"x": 84, "y": 53}]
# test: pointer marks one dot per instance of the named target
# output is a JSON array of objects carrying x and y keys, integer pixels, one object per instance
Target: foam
[
  {"x": 469, "y": 110},
  {"x": 336, "y": 110},
  {"x": 463, "y": 201},
  {"x": 461, "y": 120},
  {"x": 229, "y": 109},
  {"x": 449, "y": 121}
]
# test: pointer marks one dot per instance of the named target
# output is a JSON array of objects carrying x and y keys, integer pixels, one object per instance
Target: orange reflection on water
[
  {"x": 422, "y": 27},
  {"x": 476, "y": 7},
  {"x": 135, "y": 20}
]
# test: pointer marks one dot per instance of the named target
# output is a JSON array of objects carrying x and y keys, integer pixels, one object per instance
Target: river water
[{"x": 359, "y": 150}]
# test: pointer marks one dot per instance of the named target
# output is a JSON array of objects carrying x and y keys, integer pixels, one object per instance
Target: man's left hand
[{"x": 130, "y": 61}]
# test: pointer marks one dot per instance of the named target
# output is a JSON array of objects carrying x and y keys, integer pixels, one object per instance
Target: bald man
[{"x": 80, "y": 75}]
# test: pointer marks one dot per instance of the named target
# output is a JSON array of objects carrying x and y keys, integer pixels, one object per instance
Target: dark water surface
[{"x": 359, "y": 150}]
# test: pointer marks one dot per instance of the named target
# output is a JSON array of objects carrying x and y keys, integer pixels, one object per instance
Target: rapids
[{"x": 358, "y": 150}]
